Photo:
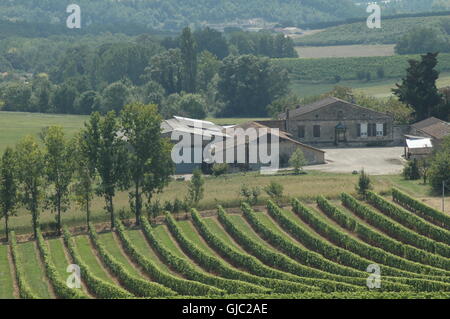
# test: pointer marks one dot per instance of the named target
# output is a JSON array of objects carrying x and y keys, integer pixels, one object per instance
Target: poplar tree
[
  {"x": 149, "y": 164},
  {"x": 30, "y": 168},
  {"x": 8, "y": 187}
]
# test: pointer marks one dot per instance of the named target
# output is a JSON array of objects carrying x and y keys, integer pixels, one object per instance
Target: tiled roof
[{"x": 433, "y": 127}]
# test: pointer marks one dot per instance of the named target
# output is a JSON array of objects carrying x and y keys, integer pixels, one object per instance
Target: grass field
[{"x": 345, "y": 51}]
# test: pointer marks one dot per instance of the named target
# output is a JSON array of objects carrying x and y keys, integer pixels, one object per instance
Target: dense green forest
[
  {"x": 175, "y": 14},
  {"x": 193, "y": 74}
]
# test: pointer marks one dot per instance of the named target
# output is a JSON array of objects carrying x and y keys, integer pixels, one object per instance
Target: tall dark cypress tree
[
  {"x": 418, "y": 89},
  {"x": 189, "y": 55}
]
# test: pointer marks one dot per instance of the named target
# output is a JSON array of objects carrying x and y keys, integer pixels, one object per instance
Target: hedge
[
  {"x": 376, "y": 238},
  {"x": 24, "y": 290},
  {"x": 421, "y": 209},
  {"x": 255, "y": 266},
  {"x": 187, "y": 269},
  {"x": 138, "y": 286},
  {"x": 396, "y": 230},
  {"x": 260, "y": 276},
  {"x": 59, "y": 286},
  {"x": 96, "y": 286},
  {"x": 180, "y": 285}
]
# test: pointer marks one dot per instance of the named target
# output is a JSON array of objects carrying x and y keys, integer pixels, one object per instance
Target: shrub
[
  {"x": 275, "y": 191},
  {"x": 250, "y": 194},
  {"x": 219, "y": 169},
  {"x": 364, "y": 183},
  {"x": 297, "y": 161}
]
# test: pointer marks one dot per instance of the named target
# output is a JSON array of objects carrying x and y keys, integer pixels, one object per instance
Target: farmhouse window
[
  {"x": 301, "y": 131},
  {"x": 380, "y": 129},
  {"x": 384, "y": 129},
  {"x": 363, "y": 130},
  {"x": 316, "y": 131}
]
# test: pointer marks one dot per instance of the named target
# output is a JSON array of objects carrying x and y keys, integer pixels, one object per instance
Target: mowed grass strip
[
  {"x": 140, "y": 243},
  {"x": 58, "y": 256},
  {"x": 6, "y": 277},
  {"x": 84, "y": 249},
  {"x": 191, "y": 234},
  {"x": 33, "y": 272},
  {"x": 213, "y": 225}
]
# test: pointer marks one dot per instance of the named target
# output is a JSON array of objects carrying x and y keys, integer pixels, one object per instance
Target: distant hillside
[
  {"x": 358, "y": 33},
  {"x": 174, "y": 14}
]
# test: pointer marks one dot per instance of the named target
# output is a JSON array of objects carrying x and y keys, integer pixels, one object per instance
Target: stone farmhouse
[{"x": 335, "y": 122}]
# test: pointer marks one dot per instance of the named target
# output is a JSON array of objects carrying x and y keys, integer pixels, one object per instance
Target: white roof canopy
[{"x": 419, "y": 143}]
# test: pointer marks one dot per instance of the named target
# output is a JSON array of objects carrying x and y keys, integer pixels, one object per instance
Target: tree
[
  {"x": 58, "y": 161},
  {"x": 418, "y": 89},
  {"x": 411, "y": 170},
  {"x": 248, "y": 84},
  {"x": 8, "y": 187},
  {"x": 148, "y": 159},
  {"x": 192, "y": 105},
  {"x": 424, "y": 168},
  {"x": 167, "y": 70},
  {"x": 422, "y": 40},
  {"x": 208, "y": 68},
  {"x": 440, "y": 167},
  {"x": 364, "y": 183},
  {"x": 63, "y": 99},
  {"x": 108, "y": 154},
  {"x": 30, "y": 168},
  {"x": 84, "y": 173},
  {"x": 297, "y": 161},
  {"x": 275, "y": 191},
  {"x": 250, "y": 194},
  {"x": 115, "y": 97},
  {"x": 212, "y": 41},
  {"x": 189, "y": 58},
  {"x": 86, "y": 103},
  {"x": 195, "y": 188}
]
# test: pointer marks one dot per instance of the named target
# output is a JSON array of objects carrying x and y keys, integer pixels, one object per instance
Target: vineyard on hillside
[
  {"x": 327, "y": 69},
  {"x": 318, "y": 249},
  {"x": 358, "y": 33}
]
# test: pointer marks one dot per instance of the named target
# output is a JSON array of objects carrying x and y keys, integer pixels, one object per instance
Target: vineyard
[
  {"x": 314, "y": 249},
  {"x": 327, "y": 69},
  {"x": 358, "y": 33}
]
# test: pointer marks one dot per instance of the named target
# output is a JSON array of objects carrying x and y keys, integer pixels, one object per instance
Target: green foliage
[
  {"x": 182, "y": 286},
  {"x": 411, "y": 170},
  {"x": 248, "y": 84},
  {"x": 298, "y": 160},
  {"x": 275, "y": 191},
  {"x": 24, "y": 290},
  {"x": 196, "y": 188},
  {"x": 440, "y": 169},
  {"x": 364, "y": 183},
  {"x": 9, "y": 195},
  {"x": 58, "y": 161},
  {"x": 219, "y": 169},
  {"x": 418, "y": 88},
  {"x": 137, "y": 286},
  {"x": 376, "y": 238},
  {"x": 96, "y": 286},
  {"x": 421, "y": 209},
  {"x": 250, "y": 194},
  {"x": 422, "y": 40},
  {"x": 415, "y": 223},
  {"x": 148, "y": 161},
  {"x": 405, "y": 234},
  {"x": 59, "y": 285},
  {"x": 30, "y": 168}
]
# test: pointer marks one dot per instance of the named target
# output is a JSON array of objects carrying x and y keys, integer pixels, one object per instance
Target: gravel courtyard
[{"x": 374, "y": 160}]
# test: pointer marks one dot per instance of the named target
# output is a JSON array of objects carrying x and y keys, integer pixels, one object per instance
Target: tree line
[
  {"x": 118, "y": 151},
  {"x": 194, "y": 75}
]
